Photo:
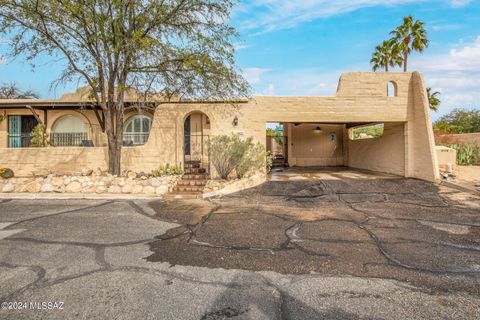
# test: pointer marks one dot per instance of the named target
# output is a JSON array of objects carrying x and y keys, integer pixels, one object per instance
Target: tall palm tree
[
  {"x": 411, "y": 35},
  {"x": 433, "y": 99},
  {"x": 386, "y": 55}
]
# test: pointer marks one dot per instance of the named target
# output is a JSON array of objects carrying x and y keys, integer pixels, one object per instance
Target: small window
[
  {"x": 136, "y": 130},
  {"x": 391, "y": 89},
  {"x": 367, "y": 132}
]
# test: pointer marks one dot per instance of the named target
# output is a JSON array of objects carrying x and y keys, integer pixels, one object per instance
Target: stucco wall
[
  {"x": 384, "y": 154},
  {"x": 309, "y": 148},
  {"x": 361, "y": 97},
  {"x": 421, "y": 160},
  {"x": 88, "y": 117}
]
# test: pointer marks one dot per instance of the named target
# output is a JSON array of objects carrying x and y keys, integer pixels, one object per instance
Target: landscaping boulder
[
  {"x": 86, "y": 171},
  {"x": 73, "y": 187},
  {"x": 149, "y": 190},
  {"x": 9, "y": 187},
  {"x": 33, "y": 187}
]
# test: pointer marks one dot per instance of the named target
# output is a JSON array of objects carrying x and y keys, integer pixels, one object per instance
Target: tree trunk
[
  {"x": 386, "y": 68},
  {"x": 405, "y": 61},
  {"x": 114, "y": 130},
  {"x": 114, "y": 157}
]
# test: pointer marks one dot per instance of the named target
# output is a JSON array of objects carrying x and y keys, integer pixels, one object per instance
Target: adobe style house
[{"x": 317, "y": 130}]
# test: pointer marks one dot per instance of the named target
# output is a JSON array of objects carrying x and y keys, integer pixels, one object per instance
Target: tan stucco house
[{"x": 317, "y": 130}]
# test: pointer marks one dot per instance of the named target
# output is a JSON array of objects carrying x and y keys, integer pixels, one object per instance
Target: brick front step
[
  {"x": 198, "y": 189},
  {"x": 183, "y": 195},
  {"x": 195, "y": 170},
  {"x": 194, "y": 177},
  {"x": 192, "y": 182},
  {"x": 192, "y": 165}
]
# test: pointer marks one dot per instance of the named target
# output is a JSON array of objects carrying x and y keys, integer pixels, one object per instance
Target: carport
[{"x": 326, "y": 145}]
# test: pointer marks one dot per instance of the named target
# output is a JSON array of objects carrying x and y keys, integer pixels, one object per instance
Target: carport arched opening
[{"x": 196, "y": 134}]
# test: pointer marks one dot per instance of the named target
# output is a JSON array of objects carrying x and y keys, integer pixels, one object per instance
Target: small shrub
[
  {"x": 476, "y": 155},
  {"x": 466, "y": 154},
  {"x": 167, "y": 170},
  {"x": 38, "y": 136},
  {"x": 269, "y": 161},
  {"x": 6, "y": 173},
  {"x": 253, "y": 158},
  {"x": 228, "y": 153}
]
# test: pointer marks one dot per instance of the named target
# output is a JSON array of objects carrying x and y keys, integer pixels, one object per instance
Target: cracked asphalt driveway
[{"x": 306, "y": 248}]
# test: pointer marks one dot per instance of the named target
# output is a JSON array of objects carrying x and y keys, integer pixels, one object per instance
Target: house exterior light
[
  {"x": 235, "y": 121},
  {"x": 317, "y": 130}
]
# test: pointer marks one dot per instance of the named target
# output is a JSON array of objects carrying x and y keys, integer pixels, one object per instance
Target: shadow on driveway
[{"x": 394, "y": 228}]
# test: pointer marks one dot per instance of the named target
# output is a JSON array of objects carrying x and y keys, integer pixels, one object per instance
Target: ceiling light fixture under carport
[{"x": 317, "y": 130}]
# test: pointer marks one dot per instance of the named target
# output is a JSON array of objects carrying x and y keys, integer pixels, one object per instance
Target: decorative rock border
[{"x": 91, "y": 181}]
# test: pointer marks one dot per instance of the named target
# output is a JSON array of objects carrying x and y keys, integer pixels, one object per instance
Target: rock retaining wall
[{"x": 91, "y": 181}]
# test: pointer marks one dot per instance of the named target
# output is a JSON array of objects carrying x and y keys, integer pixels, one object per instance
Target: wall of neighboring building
[{"x": 464, "y": 138}]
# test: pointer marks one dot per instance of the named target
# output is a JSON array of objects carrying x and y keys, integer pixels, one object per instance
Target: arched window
[
  {"x": 69, "y": 130},
  {"x": 136, "y": 130},
  {"x": 392, "y": 89}
]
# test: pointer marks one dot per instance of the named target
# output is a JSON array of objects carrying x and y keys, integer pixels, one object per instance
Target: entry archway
[{"x": 196, "y": 134}]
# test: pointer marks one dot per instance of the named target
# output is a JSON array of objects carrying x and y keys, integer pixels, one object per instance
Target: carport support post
[
  {"x": 345, "y": 145},
  {"x": 291, "y": 160},
  {"x": 406, "y": 135}
]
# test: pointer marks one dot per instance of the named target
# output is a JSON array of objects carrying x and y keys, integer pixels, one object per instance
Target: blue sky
[{"x": 292, "y": 47}]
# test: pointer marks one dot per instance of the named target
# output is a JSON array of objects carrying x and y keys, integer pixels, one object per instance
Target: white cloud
[
  {"x": 270, "y": 90},
  {"x": 459, "y": 3},
  {"x": 270, "y": 15},
  {"x": 301, "y": 82},
  {"x": 240, "y": 46},
  {"x": 253, "y": 75},
  {"x": 3, "y": 60},
  {"x": 446, "y": 27},
  {"x": 456, "y": 75}
]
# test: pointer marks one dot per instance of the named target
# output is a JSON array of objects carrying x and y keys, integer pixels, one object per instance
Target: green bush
[
  {"x": 269, "y": 160},
  {"x": 466, "y": 154},
  {"x": 253, "y": 158},
  {"x": 6, "y": 173},
  {"x": 373, "y": 131},
  {"x": 167, "y": 170},
  {"x": 476, "y": 155},
  {"x": 228, "y": 153},
  {"x": 38, "y": 136}
]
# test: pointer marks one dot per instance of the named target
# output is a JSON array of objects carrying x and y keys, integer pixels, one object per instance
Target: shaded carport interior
[{"x": 304, "y": 145}]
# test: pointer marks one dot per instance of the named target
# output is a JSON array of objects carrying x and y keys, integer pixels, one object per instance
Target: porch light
[
  {"x": 317, "y": 130},
  {"x": 235, "y": 121}
]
